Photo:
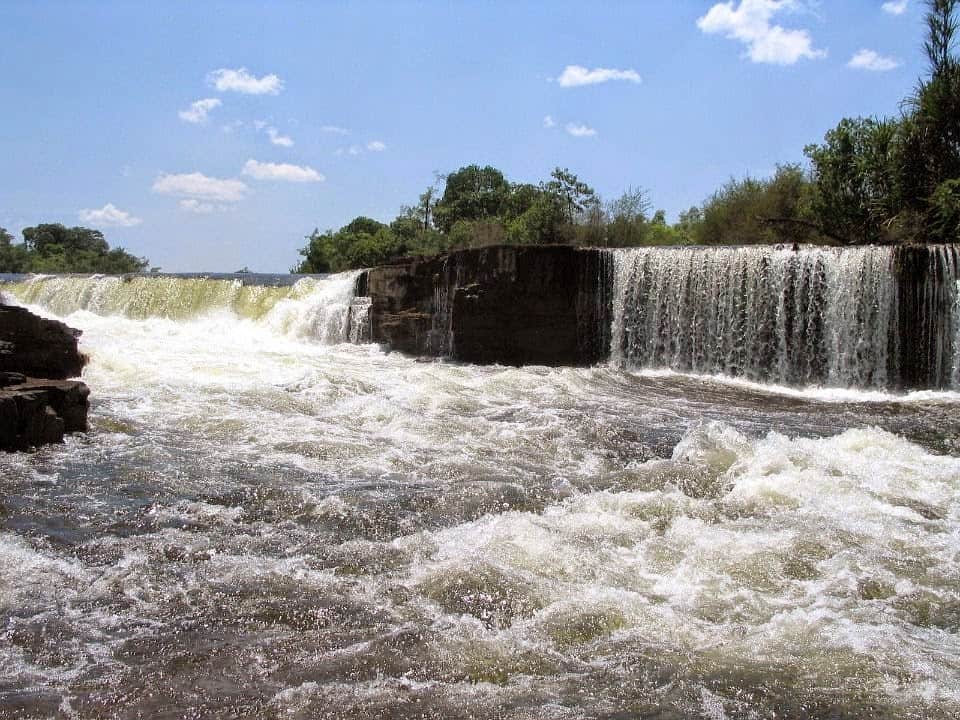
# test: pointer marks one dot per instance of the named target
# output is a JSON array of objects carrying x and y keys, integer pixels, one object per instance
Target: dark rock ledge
[
  {"x": 38, "y": 405},
  {"x": 532, "y": 305}
]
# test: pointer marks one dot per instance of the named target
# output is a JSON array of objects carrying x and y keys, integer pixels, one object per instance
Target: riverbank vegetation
[
  {"x": 54, "y": 248},
  {"x": 890, "y": 180}
]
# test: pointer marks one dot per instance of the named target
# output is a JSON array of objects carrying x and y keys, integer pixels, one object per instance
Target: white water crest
[
  {"x": 314, "y": 307},
  {"x": 807, "y": 316}
]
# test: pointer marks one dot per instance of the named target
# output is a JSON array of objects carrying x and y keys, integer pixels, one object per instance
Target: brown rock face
[
  {"x": 37, "y": 347},
  {"x": 540, "y": 305}
]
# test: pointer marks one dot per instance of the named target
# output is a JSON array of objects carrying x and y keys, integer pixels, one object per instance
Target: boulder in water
[
  {"x": 36, "y": 346},
  {"x": 38, "y": 412},
  {"x": 37, "y": 404}
]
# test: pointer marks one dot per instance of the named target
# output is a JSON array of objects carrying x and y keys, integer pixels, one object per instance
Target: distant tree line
[
  {"x": 869, "y": 181},
  {"x": 55, "y": 248}
]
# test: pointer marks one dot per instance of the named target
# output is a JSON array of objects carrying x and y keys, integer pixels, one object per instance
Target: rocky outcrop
[
  {"x": 39, "y": 412},
  {"x": 544, "y": 305},
  {"x": 37, "y": 404},
  {"x": 37, "y": 347}
]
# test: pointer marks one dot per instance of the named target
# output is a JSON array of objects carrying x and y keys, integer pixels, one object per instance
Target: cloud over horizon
[
  {"x": 750, "y": 24},
  {"x": 284, "y": 172},
  {"x": 241, "y": 81},
  {"x": 109, "y": 216}
]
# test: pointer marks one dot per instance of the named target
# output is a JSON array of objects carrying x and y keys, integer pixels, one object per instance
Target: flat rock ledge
[{"x": 35, "y": 412}]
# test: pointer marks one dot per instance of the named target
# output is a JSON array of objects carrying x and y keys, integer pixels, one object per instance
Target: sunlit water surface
[{"x": 259, "y": 525}]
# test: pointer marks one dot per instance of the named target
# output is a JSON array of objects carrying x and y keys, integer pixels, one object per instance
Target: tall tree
[{"x": 472, "y": 193}]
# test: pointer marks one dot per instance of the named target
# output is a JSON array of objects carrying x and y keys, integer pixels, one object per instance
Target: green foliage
[
  {"x": 573, "y": 196},
  {"x": 54, "y": 248},
  {"x": 363, "y": 242},
  {"x": 751, "y": 211},
  {"x": 472, "y": 193},
  {"x": 945, "y": 211}
]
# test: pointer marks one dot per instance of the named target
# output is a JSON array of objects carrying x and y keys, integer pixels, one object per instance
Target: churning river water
[{"x": 265, "y": 521}]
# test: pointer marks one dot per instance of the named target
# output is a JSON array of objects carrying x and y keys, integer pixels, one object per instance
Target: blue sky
[{"x": 215, "y": 135}]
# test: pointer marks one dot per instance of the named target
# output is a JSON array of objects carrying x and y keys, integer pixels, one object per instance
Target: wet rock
[
  {"x": 37, "y": 404},
  {"x": 534, "y": 305},
  {"x": 39, "y": 412},
  {"x": 36, "y": 346}
]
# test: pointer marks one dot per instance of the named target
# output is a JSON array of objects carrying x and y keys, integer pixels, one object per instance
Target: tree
[
  {"x": 363, "y": 242},
  {"x": 472, "y": 193},
  {"x": 627, "y": 216},
  {"x": 855, "y": 178},
  {"x": 930, "y": 133},
  {"x": 573, "y": 195},
  {"x": 13, "y": 258}
]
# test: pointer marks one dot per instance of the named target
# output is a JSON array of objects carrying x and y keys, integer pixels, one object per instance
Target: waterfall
[
  {"x": 862, "y": 317},
  {"x": 322, "y": 309}
]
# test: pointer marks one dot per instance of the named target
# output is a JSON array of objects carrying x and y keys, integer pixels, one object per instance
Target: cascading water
[
  {"x": 261, "y": 525},
  {"x": 830, "y": 316},
  {"x": 322, "y": 309}
]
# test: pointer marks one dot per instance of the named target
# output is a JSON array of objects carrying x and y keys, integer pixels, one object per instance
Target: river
[{"x": 268, "y": 521}]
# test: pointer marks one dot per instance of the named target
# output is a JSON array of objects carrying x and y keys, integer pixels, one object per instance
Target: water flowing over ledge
[
  {"x": 868, "y": 317},
  {"x": 324, "y": 309},
  {"x": 879, "y": 317}
]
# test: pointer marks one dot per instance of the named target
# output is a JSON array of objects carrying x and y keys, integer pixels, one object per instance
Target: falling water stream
[{"x": 269, "y": 521}]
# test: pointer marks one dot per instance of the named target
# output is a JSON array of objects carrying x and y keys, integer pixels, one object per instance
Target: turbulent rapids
[{"x": 271, "y": 518}]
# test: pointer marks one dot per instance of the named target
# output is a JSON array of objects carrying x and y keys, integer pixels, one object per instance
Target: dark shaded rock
[
  {"x": 37, "y": 347},
  {"x": 544, "y": 305},
  {"x": 36, "y": 412},
  {"x": 39, "y": 412},
  {"x": 11, "y": 378}
]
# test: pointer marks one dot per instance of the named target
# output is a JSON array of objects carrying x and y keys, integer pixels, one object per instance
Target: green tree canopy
[
  {"x": 54, "y": 248},
  {"x": 472, "y": 193}
]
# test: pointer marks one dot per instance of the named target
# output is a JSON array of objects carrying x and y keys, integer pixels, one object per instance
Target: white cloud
[
  {"x": 577, "y": 75},
  {"x": 376, "y": 146},
  {"x": 277, "y": 139},
  {"x": 201, "y": 187},
  {"x": 197, "y": 206},
  {"x": 897, "y": 7},
  {"x": 549, "y": 122},
  {"x": 241, "y": 81},
  {"x": 199, "y": 110},
  {"x": 110, "y": 216},
  {"x": 579, "y": 130},
  {"x": 352, "y": 150},
  {"x": 870, "y": 60},
  {"x": 750, "y": 24},
  {"x": 334, "y": 130},
  {"x": 281, "y": 171}
]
